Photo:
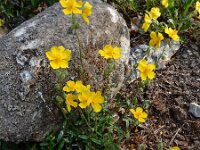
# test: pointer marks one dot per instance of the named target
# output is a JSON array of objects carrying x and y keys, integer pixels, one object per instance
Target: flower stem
[
  {"x": 83, "y": 116},
  {"x": 75, "y": 26}
]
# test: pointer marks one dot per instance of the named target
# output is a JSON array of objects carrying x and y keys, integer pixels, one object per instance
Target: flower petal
[
  {"x": 86, "y": 19},
  {"x": 97, "y": 107},
  {"x": 67, "y": 11},
  {"x": 77, "y": 11},
  {"x": 144, "y": 115},
  {"x": 55, "y": 64},
  {"x": 143, "y": 76},
  {"x": 63, "y": 3},
  {"x": 151, "y": 75},
  {"x": 141, "y": 120},
  {"x": 139, "y": 110},
  {"x": 83, "y": 105},
  {"x": 151, "y": 67},
  {"x": 132, "y": 111}
]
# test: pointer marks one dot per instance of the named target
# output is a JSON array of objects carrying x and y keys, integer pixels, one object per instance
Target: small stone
[{"x": 194, "y": 109}]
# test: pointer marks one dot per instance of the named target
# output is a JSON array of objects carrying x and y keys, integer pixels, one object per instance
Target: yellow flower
[
  {"x": 155, "y": 39},
  {"x": 165, "y": 3},
  {"x": 145, "y": 26},
  {"x": 139, "y": 114},
  {"x": 71, "y": 6},
  {"x": 84, "y": 99},
  {"x": 155, "y": 13},
  {"x": 70, "y": 87},
  {"x": 81, "y": 88},
  {"x": 59, "y": 57},
  {"x": 147, "y": 18},
  {"x": 96, "y": 99},
  {"x": 175, "y": 148},
  {"x": 197, "y": 6},
  {"x": 75, "y": 86},
  {"x": 147, "y": 21},
  {"x": 172, "y": 33},
  {"x": 86, "y": 12},
  {"x": 1, "y": 22},
  {"x": 70, "y": 101},
  {"x": 146, "y": 70},
  {"x": 110, "y": 52}
]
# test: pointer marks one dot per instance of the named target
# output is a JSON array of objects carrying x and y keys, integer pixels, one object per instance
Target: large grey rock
[{"x": 27, "y": 94}]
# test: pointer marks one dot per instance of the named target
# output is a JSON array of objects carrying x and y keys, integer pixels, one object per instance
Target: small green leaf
[
  {"x": 61, "y": 145},
  {"x": 160, "y": 146},
  {"x": 60, "y": 136},
  {"x": 142, "y": 147},
  {"x": 84, "y": 137},
  {"x": 135, "y": 101},
  {"x": 59, "y": 100},
  {"x": 146, "y": 104},
  {"x": 96, "y": 141}
]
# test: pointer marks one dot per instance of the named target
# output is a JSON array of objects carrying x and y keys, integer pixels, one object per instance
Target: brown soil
[{"x": 171, "y": 92}]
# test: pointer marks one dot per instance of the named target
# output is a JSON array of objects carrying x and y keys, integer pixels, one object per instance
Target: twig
[
  {"x": 156, "y": 131},
  {"x": 174, "y": 136}
]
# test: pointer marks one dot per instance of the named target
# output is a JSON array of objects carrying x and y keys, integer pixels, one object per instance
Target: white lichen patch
[
  {"x": 26, "y": 76},
  {"x": 125, "y": 46},
  {"x": 35, "y": 62},
  {"x": 31, "y": 45},
  {"x": 21, "y": 59},
  {"x": 20, "y": 32},
  {"x": 114, "y": 15},
  {"x": 32, "y": 24},
  {"x": 23, "y": 30}
]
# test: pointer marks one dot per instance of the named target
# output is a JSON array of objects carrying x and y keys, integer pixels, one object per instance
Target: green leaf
[
  {"x": 96, "y": 141},
  {"x": 135, "y": 101},
  {"x": 171, "y": 3},
  {"x": 61, "y": 145},
  {"x": 59, "y": 100},
  {"x": 60, "y": 136},
  {"x": 160, "y": 146},
  {"x": 84, "y": 137},
  {"x": 146, "y": 104},
  {"x": 187, "y": 6},
  {"x": 142, "y": 146}
]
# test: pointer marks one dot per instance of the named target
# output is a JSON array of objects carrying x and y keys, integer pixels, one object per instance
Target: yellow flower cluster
[
  {"x": 197, "y": 8},
  {"x": 111, "y": 52},
  {"x": 85, "y": 96},
  {"x": 146, "y": 70},
  {"x": 149, "y": 16},
  {"x": 153, "y": 15},
  {"x": 59, "y": 57},
  {"x": 139, "y": 114},
  {"x": 77, "y": 7},
  {"x": 1, "y": 22}
]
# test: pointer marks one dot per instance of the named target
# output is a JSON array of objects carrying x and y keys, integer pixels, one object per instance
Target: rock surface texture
[
  {"x": 27, "y": 111},
  {"x": 194, "y": 109}
]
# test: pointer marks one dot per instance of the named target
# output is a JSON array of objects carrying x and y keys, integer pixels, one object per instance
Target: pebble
[{"x": 194, "y": 109}]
